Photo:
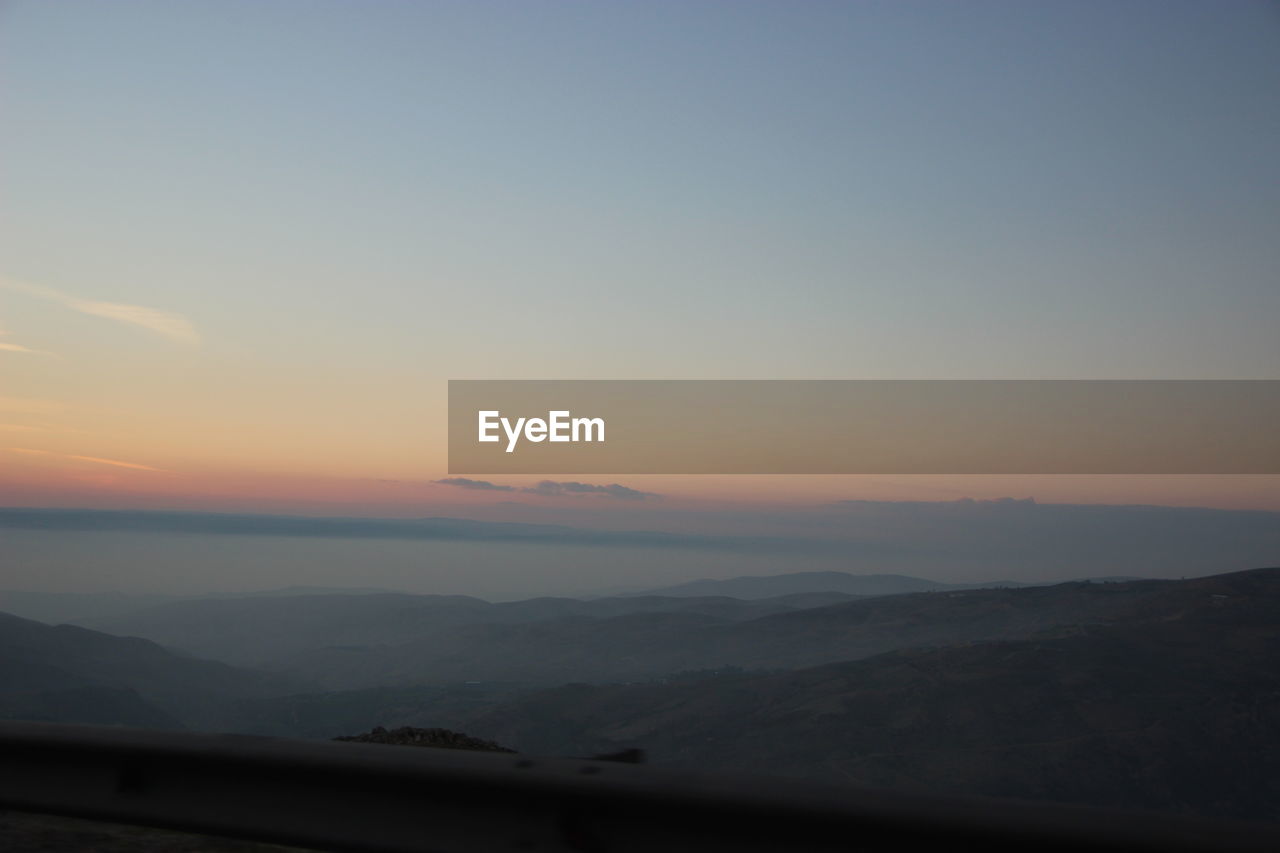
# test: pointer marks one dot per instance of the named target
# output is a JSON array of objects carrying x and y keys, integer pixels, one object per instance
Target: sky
[{"x": 244, "y": 245}]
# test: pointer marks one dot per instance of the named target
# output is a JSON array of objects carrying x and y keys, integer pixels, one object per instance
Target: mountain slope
[
  {"x": 1179, "y": 712},
  {"x": 71, "y": 674},
  {"x": 256, "y": 630},
  {"x": 647, "y": 645},
  {"x": 801, "y": 583},
  {"x": 769, "y": 586}
]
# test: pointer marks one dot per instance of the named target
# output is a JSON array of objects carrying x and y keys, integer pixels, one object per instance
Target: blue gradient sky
[{"x": 350, "y": 203}]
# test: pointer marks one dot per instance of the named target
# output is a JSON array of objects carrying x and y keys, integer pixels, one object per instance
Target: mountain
[
  {"x": 796, "y": 583},
  {"x": 55, "y": 608},
  {"x": 1177, "y": 711},
  {"x": 1140, "y": 694},
  {"x": 254, "y": 629},
  {"x": 302, "y": 589},
  {"x": 72, "y": 674},
  {"x": 650, "y": 644},
  {"x": 769, "y": 586},
  {"x": 346, "y": 641},
  {"x": 262, "y": 630}
]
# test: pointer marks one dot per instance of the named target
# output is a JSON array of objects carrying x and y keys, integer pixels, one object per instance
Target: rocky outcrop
[{"x": 410, "y": 736}]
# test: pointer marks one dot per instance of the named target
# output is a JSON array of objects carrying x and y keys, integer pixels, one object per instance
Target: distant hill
[
  {"x": 1175, "y": 707},
  {"x": 56, "y": 608},
  {"x": 287, "y": 591},
  {"x": 649, "y": 644},
  {"x": 271, "y": 629},
  {"x": 71, "y": 674},
  {"x": 798, "y": 583},
  {"x": 1153, "y": 694},
  {"x": 770, "y": 586},
  {"x": 348, "y": 641}
]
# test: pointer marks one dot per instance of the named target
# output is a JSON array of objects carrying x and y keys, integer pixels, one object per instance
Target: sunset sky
[{"x": 244, "y": 245}]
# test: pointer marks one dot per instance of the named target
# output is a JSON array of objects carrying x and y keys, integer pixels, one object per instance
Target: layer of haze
[{"x": 965, "y": 541}]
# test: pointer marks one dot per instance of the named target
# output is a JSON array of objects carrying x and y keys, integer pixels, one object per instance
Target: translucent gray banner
[{"x": 864, "y": 427}]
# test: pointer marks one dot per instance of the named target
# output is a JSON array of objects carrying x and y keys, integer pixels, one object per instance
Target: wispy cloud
[
  {"x": 477, "y": 485},
  {"x": 7, "y": 347},
  {"x": 116, "y": 462},
  {"x": 553, "y": 489},
  {"x": 95, "y": 459},
  {"x": 168, "y": 324}
]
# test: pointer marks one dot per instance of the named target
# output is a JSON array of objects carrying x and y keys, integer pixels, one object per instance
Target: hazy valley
[{"x": 1153, "y": 694}]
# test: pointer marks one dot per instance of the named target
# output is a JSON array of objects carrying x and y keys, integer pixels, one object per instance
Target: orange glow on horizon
[{"x": 36, "y": 477}]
